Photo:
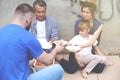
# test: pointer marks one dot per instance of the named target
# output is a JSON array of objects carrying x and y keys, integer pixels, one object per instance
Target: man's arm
[{"x": 48, "y": 58}]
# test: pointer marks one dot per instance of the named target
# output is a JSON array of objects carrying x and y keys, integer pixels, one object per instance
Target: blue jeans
[{"x": 54, "y": 72}]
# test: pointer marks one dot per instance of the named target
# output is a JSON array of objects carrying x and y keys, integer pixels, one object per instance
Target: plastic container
[{"x": 38, "y": 66}]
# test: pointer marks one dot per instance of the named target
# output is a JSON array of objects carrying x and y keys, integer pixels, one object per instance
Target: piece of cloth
[
  {"x": 79, "y": 40},
  {"x": 98, "y": 68},
  {"x": 85, "y": 54},
  {"x": 96, "y": 24},
  {"x": 70, "y": 66},
  {"x": 41, "y": 34},
  {"x": 54, "y": 72},
  {"x": 91, "y": 61},
  {"x": 51, "y": 28},
  {"x": 16, "y": 43}
]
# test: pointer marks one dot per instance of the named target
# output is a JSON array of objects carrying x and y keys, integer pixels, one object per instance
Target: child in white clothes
[{"x": 84, "y": 57}]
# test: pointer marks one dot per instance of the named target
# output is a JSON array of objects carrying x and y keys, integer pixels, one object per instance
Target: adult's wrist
[
  {"x": 81, "y": 47},
  {"x": 53, "y": 52}
]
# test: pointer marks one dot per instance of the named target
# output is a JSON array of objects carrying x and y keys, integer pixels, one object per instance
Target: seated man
[{"x": 44, "y": 28}]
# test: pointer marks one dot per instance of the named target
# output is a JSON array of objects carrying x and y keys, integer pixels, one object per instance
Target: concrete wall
[{"x": 67, "y": 11}]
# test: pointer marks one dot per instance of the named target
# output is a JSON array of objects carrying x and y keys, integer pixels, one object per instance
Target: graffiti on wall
[{"x": 101, "y": 13}]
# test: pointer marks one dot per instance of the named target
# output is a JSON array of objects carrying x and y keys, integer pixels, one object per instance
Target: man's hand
[
  {"x": 52, "y": 40},
  {"x": 31, "y": 62},
  {"x": 59, "y": 47}
]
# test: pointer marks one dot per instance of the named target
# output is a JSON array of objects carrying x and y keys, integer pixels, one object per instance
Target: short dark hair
[
  {"x": 23, "y": 9},
  {"x": 92, "y": 7},
  {"x": 40, "y": 3}
]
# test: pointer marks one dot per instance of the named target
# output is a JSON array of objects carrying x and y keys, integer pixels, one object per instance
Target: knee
[
  {"x": 59, "y": 69},
  {"x": 98, "y": 59},
  {"x": 99, "y": 68},
  {"x": 71, "y": 70}
]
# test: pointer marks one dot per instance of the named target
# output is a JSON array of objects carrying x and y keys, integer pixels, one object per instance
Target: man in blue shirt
[{"x": 16, "y": 43}]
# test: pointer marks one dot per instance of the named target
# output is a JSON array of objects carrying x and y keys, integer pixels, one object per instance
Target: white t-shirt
[
  {"x": 79, "y": 40},
  {"x": 41, "y": 35}
]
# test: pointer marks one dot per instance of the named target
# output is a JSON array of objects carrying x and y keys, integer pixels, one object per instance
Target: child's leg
[
  {"x": 104, "y": 60},
  {"x": 91, "y": 61},
  {"x": 84, "y": 74}
]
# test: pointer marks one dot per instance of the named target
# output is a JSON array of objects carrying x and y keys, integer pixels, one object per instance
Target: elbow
[{"x": 50, "y": 60}]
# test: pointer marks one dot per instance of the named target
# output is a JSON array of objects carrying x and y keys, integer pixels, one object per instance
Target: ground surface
[{"x": 109, "y": 73}]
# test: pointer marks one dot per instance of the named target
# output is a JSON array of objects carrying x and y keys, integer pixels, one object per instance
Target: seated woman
[
  {"x": 88, "y": 12},
  {"x": 84, "y": 57}
]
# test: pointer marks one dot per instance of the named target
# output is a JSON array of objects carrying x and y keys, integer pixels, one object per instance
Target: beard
[{"x": 28, "y": 26}]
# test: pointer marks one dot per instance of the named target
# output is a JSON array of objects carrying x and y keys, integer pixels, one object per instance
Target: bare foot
[
  {"x": 84, "y": 74},
  {"x": 110, "y": 63},
  {"x": 58, "y": 58}
]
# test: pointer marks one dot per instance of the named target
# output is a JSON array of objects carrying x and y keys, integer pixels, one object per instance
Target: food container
[{"x": 38, "y": 66}]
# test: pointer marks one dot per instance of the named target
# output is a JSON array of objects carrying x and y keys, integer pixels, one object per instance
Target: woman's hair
[
  {"x": 84, "y": 25},
  {"x": 40, "y": 3},
  {"x": 92, "y": 7}
]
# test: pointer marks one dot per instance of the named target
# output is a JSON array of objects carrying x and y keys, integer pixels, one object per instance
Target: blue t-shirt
[{"x": 15, "y": 45}]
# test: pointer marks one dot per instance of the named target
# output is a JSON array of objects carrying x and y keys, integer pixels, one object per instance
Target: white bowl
[
  {"x": 41, "y": 66},
  {"x": 73, "y": 48}
]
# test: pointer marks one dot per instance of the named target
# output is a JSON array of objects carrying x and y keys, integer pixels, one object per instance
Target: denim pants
[{"x": 54, "y": 72}]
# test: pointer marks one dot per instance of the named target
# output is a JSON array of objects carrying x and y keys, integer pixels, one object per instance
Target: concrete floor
[{"x": 109, "y": 73}]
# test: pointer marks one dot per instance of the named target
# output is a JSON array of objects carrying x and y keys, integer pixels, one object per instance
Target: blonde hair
[{"x": 84, "y": 25}]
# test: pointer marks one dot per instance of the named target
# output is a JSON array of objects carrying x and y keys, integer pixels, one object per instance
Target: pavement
[{"x": 109, "y": 73}]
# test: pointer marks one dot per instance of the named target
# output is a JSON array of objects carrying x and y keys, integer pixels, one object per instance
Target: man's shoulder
[{"x": 50, "y": 18}]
